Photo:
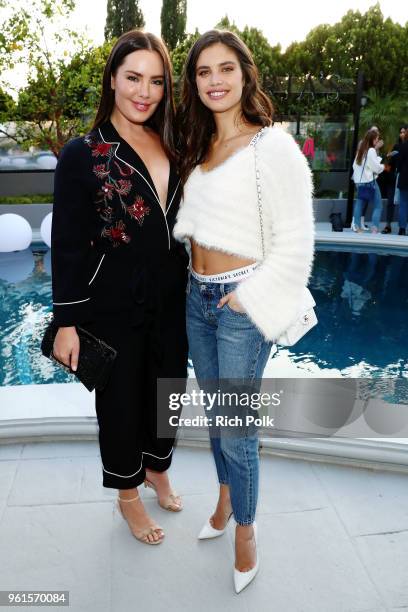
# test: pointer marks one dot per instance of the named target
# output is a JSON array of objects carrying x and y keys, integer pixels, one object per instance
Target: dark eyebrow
[
  {"x": 222, "y": 64},
  {"x": 159, "y": 76}
]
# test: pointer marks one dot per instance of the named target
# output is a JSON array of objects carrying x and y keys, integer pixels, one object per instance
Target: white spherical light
[
  {"x": 45, "y": 229},
  {"x": 47, "y": 162},
  {"x": 18, "y": 162},
  {"x": 15, "y": 233}
]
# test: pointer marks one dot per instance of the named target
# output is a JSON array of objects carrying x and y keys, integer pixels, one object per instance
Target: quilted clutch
[
  {"x": 95, "y": 357},
  {"x": 305, "y": 320}
]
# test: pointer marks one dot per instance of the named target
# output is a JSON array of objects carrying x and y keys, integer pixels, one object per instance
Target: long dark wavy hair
[
  {"x": 195, "y": 122},
  {"x": 366, "y": 143},
  {"x": 162, "y": 120}
]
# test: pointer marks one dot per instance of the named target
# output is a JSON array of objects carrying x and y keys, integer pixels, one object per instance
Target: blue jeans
[
  {"x": 361, "y": 207},
  {"x": 225, "y": 344},
  {"x": 403, "y": 209}
]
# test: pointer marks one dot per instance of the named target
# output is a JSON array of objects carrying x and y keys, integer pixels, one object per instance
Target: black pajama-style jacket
[{"x": 118, "y": 272}]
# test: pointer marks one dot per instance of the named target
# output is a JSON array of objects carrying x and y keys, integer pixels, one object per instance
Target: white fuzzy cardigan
[{"x": 219, "y": 210}]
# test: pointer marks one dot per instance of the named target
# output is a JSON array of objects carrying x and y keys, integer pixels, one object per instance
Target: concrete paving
[
  {"x": 332, "y": 538},
  {"x": 393, "y": 242}
]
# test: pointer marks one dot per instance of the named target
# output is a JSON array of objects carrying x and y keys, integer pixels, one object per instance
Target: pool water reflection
[{"x": 362, "y": 307}]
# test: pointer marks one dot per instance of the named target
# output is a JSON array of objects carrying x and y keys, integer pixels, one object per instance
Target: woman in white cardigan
[
  {"x": 249, "y": 263},
  {"x": 367, "y": 166}
]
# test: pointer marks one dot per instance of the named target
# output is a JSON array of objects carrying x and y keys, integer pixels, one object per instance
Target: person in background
[
  {"x": 367, "y": 166},
  {"x": 392, "y": 161},
  {"x": 402, "y": 169},
  {"x": 378, "y": 196}
]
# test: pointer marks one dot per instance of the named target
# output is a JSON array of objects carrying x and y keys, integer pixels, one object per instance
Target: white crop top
[{"x": 219, "y": 210}]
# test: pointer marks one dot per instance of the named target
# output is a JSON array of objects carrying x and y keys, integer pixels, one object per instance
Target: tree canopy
[
  {"x": 7, "y": 106},
  {"x": 52, "y": 106},
  {"x": 122, "y": 16},
  {"x": 62, "y": 87},
  {"x": 365, "y": 41},
  {"x": 173, "y": 19}
]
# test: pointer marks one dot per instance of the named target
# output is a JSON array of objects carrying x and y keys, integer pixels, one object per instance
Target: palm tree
[{"x": 388, "y": 112}]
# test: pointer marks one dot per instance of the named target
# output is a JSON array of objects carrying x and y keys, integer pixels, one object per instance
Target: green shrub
[{"x": 41, "y": 198}]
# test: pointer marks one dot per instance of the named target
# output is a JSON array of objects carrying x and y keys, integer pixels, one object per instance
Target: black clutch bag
[
  {"x": 336, "y": 221},
  {"x": 95, "y": 357}
]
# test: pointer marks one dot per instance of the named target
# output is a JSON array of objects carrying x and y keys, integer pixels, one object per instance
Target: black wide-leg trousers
[{"x": 127, "y": 407}]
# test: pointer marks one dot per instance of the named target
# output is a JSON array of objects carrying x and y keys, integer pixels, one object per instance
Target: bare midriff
[{"x": 211, "y": 261}]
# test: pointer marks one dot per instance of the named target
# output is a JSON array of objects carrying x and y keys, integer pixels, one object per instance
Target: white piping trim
[
  {"x": 120, "y": 475},
  {"x": 151, "y": 455},
  {"x": 165, "y": 216},
  {"x": 130, "y": 166},
  {"x": 143, "y": 453},
  {"x": 146, "y": 181},
  {"x": 97, "y": 269},
  {"x": 174, "y": 194},
  {"x": 66, "y": 303}
]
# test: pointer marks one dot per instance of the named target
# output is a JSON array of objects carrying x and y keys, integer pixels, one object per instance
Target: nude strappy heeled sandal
[
  {"x": 170, "y": 502},
  {"x": 142, "y": 534}
]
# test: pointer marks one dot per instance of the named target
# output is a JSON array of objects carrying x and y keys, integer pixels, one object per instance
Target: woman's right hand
[{"x": 66, "y": 347}]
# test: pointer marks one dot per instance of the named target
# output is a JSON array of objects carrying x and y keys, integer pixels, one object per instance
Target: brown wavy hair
[
  {"x": 162, "y": 121},
  {"x": 195, "y": 122},
  {"x": 366, "y": 143}
]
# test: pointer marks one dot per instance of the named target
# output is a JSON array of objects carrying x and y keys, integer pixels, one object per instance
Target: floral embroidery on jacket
[
  {"x": 105, "y": 213},
  {"x": 101, "y": 148},
  {"x": 123, "y": 187},
  {"x": 101, "y": 171},
  {"x": 116, "y": 233},
  {"x": 112, "y": 189},
  {"x": 124, "y": 170},
  {"x": 138, "y": 210},
  {"x": 107, "y": 190}
]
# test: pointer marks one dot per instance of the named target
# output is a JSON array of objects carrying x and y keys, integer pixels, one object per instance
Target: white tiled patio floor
[{"x": 332, "y": 538}]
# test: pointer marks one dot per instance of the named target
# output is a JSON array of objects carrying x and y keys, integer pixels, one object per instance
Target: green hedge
[
  {"x": 41, "y": 198},
  {"x": 48, "y": 198}
]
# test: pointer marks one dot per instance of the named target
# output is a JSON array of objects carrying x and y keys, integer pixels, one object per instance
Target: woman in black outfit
[
  {"x": 392, "y": 177},
  {"x": 117, "y": 270},
  {"x": 402, "y": 169}
]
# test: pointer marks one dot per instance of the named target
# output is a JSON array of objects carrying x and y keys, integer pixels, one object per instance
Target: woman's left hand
[{"x": 232, "y": 301}]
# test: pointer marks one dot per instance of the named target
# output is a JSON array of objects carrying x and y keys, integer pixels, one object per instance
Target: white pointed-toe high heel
[
  {"x": 242, "y": 579},
  {"x": 208, "y": 532}
]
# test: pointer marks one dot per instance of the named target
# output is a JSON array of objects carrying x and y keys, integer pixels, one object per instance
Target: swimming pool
[{"x": 362, "y": 307}]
